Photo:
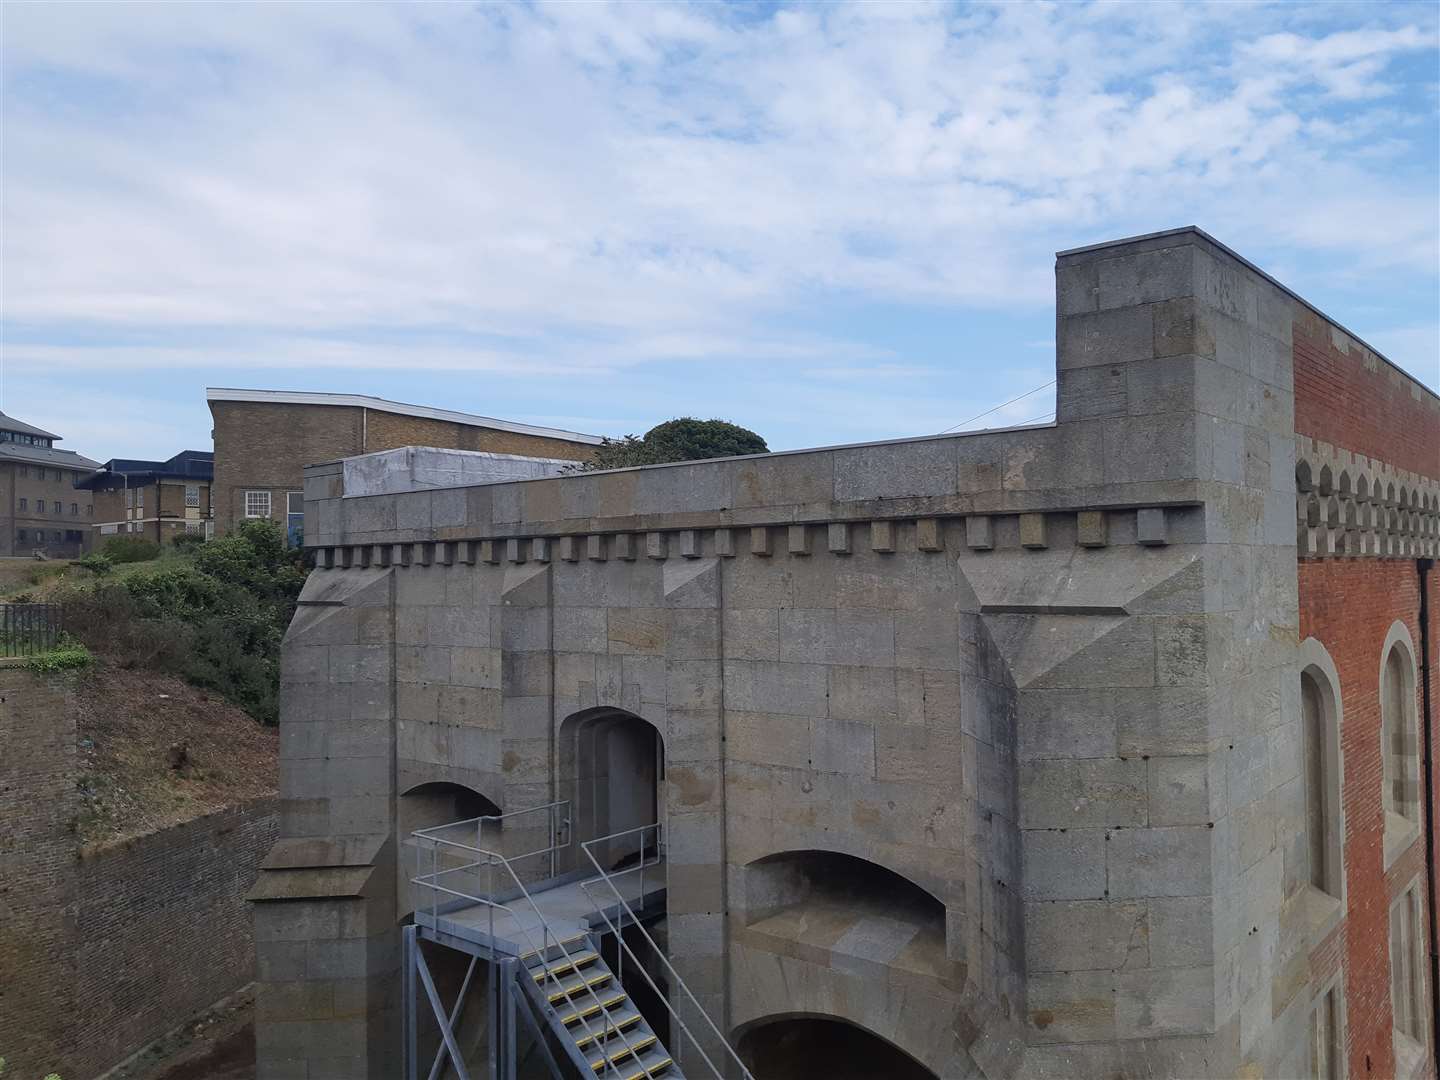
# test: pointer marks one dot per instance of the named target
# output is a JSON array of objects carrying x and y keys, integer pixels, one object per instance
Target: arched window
[
  {"x": 1320, "y": 716},
  {"x": 1399, "y": 739}
]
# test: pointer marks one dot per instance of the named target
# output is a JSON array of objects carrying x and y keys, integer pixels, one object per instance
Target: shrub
[
  {"x": 187, "y": 540},
  {"x": 216, "y": 616},
  {"x": 68, "y": 655},
  {"x": 96, "y": 563},
  {"x": 128, "y": 549},
  {"x": 682, "y": 439}
]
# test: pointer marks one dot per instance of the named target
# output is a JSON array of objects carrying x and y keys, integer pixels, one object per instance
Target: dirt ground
[
  {"x": 155, "y": 751},
  {"x": 217, "y": 1046}
]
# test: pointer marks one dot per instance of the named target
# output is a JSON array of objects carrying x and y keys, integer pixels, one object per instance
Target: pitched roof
[
  {"x": 364, "y": 401},
  {"x": 9, "y": 423},
  {"x": 40, "y": 455}
]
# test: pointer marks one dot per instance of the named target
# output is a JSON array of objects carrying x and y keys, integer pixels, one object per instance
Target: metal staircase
[{"x": 542, "y": 936}]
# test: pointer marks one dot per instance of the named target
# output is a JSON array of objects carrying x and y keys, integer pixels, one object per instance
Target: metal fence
[{"x": 29, "y": 629}]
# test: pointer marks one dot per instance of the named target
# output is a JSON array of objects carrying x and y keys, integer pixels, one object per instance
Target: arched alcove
[
  {"x": 426, "y": 806},
  {"x": 612, "y": 768},
  {"x": 815, "y": 879},
  {"x": 800, "y": 1046}
]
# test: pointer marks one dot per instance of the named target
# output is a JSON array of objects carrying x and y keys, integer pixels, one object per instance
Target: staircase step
[
  {"x": 560, "y": 965},
  {"x": 654, "y": 1062},
  {"x": 551, "y": 951},
  {"x": 587, "y": 1007},
  {"x": 622, "y": 1052},
  {"x": 576, "y": 985},
  {"x": 625, "y": 1019}
]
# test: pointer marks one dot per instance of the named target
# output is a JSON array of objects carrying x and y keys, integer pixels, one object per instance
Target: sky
[{"x": 829, "y": 223}]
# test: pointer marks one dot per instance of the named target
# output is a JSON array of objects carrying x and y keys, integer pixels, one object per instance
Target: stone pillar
[
  {"x": 1156, "y": 686},
  {"x": 326, "y": 943}
]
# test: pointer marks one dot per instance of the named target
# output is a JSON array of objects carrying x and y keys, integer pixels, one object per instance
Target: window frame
[
  {"x": 269, "y": 504},
  {"x": 1329, "y": 1004},
  {"x": 192, "y": 500},
  {"x": 1412, "y": 949},
  {"x": 1317, "y": 666},
  {"x": 1402, "y": 825}
]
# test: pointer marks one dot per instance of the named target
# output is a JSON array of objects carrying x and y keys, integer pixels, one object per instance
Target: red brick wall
[
  {"x": 1349, "y": 397},
  {"x": 1349, "y": 606},
  {"x": 102, "y": 954},
  {"x": 163, "y": 930}
]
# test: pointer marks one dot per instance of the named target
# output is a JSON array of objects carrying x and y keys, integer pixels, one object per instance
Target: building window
[
  {"x": 129, "y": 498},
  {"x": 89, "y": 509},
  {"x": 1325, "y": 1038},
  {"x": 1397, "y": 723},
  {"x": 257, "y": 504},
  {"x": 1320, "y": 732},
  {"x": 295, "y": 518},
  {"x": 20, "y": 536},
  {"x": 39, "y": 506},
  {"x": 192, "y": 495},
  {"x": 74, "y": 509},
  {"x": 24, "y": 504},
  {"x": 1407, "y": 977},
  {"x": 194, "y": 526}
]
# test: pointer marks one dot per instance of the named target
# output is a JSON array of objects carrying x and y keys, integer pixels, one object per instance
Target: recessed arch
[
  {"x": 1343, "y": 485},
  {"x": 1303, "y": 475},
  {"x": 804, "y": 1044},
  {"x": 612, "y": 769},
  {"x": 1325, "y": 482},
  {"x": 1399, "y": 739},
  {"x": 787, "y": 879},
  {"x": 1322, "y": 719},
  {"x": 426, "y": 806}
]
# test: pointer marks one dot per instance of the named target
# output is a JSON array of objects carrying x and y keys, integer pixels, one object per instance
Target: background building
[
  {"x": 40, "y": 510},
  {"x": 154, "y": 499},
  {"x": 265, "y": 438}
]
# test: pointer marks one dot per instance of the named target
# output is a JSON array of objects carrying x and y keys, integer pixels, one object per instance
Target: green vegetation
[
  {"x": 68, "y": 655},
  {"x": 214, "y": 613},
  {"x": 683, "y": 439},
  {"x": 127, "y": 549},
  {"x": 96, "y": 563}
]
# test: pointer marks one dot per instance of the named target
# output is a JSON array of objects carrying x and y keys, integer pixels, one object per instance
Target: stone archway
[
  {"x": 798, "y": 1046},
  {"x": 612, "y": 768},
  {"x": 425, "y": 806}
]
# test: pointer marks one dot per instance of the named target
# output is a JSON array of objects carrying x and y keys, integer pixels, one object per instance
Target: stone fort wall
[{"x": 104, "y": 952}]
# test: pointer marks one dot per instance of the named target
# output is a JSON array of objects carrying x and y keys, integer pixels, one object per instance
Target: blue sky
[{"x": 828, "y": 223}]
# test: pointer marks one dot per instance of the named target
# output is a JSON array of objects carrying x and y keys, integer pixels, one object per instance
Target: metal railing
[
  {"x": 627, "y": 913},
  {"x": 29, "y": 629},
  {"x": 491, "y": 860}
]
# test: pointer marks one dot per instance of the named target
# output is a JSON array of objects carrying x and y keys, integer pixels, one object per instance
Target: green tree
[{"x": 682, "y": 439}]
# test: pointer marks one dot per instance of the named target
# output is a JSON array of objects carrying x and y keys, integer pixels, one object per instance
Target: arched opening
[
  {"x": 1397, "y": 717},
  {"x": 427, "y": 806},
  {"x": 1320, "y": 738},
  {"x": 613, "y": 769},
  {"x": 805, "y": 1046},
  {"x": 826, "y": 902}
]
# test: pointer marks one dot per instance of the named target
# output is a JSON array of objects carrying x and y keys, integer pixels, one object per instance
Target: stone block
[
  {"x": 1166, "y": 1002},
  {"x": 1186, "y": 790},
  {"x": 830, "y": 636},
  {"x": 725, "y": 543},
  {"x": 1063, "y": 864},
  {"x": 1082, "y": 794},
  {"x": 1104, "y": 337},
  {"x": 1032, "y": 531},
  {"x": 1086, "y": 935},
  {"x": 1163, "y": 862},
  {"x": 842, "y": 746},
  {"x": 978, "y": 532},
  {"x": 567, "y": 548},
  {"x": 690, "y": 544},
  {"x": 882, "y": 536},
  {"x": 896, "y": 470},
  {"x": 1091, "y": 528},
  {"x": 752, "y": 633},
  {"x": 760, "y": 541},
  {"x": 625, "y": 546},
  {"x": 1071, "y": 1007},
  {"x": 637, "y": 631},
  {"x": 516, "y": 550},
  {"x": 1182, "y": 931},
  {"x": 795, "y": 689},
  {"x": 928, "y": 535},
  {"x": 862, "y": 693},
  {"x": 797, "y": 539},
  {"x": 837, "y": 538},
  {"x": 656, "y": 545}
]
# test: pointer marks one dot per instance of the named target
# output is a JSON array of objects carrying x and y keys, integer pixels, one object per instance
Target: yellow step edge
[
  {"x": 570, "y": 992},
  {"x": 592, "y": 1009},
  {"x": 573, "y": 964},
  {"x": 559, "y": 942},
  {"x": 622, "y": 1052},
  {"x": 651, "y": 1070},
  {"x": 623, "y": 1025}
]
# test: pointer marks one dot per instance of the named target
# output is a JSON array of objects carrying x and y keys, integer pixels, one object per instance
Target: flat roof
[{"x": 365, "y": 401}]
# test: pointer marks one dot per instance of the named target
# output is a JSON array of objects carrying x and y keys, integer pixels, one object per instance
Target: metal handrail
[
  {"x": 607, "y": 878},
  {"x": 548, "y": 932}
]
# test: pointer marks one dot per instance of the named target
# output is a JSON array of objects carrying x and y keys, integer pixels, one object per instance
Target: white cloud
[{"x": 611, "y": 184}]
